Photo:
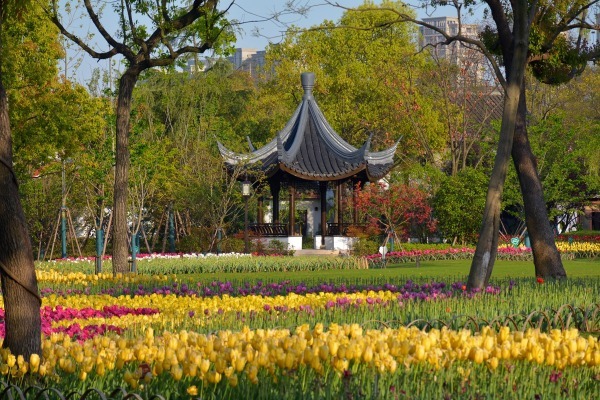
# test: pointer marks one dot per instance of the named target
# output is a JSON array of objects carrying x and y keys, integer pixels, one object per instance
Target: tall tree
[
  {"x": 512, "y": 23},
  {"x": 515, "y": 44},
  {"x": 175, "y": 30},
  {"x": 563, "y": 129},
  {"x": 554, "y": 58},
  {"x": 19, "y": 284}
]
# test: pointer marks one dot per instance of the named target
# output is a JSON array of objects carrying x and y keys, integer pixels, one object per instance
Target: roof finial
[{"x": 308, "y": 82}]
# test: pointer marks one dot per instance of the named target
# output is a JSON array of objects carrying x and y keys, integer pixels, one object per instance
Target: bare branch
[
  {"x": 183, "y": 21},
  {"x": 109, "y": 39},
  {"x": 137, "y": 40},
  {"x": 53, "y": 15}
]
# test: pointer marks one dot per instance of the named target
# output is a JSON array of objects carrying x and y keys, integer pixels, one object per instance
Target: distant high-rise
[
  {"x": 457, "y": 52},
  {"x": 249, "y": 60}
]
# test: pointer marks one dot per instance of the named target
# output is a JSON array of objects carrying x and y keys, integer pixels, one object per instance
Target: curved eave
[
  {"x": 310, "y": 113},
  {"x": 259, "y": 155},
  {"x": 321, "y": 177},
  {"x": 374, "y": 175},
  {"x": 382, "y": 157}
]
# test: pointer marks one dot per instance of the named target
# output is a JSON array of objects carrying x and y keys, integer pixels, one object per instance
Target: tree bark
[
  {"x": 19, "y": 284},
  {"x": 515, "y": 57},
  {"x": 120, "y": 242},
  {"x": 546, "y": 257},
  {"x": 487, "y": 245}
]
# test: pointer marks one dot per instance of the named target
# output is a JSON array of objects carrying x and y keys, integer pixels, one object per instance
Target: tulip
[{"x": 34, "y": 362}]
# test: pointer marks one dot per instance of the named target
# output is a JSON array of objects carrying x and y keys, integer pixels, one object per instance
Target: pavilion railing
[
  {"x": 281, "y": 230},
  {"x": 268, "y": 230}
]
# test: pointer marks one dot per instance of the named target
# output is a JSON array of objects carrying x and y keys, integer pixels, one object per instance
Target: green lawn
[
  {"x": 502, "y": 269},
  {"x": 453, "y": 270}
]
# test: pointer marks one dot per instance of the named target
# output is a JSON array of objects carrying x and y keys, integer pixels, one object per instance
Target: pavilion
[{"x": 308, "y": 154}]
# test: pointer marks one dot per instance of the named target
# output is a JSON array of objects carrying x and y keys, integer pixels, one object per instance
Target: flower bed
[
  {"x": 211, "y": 265},
  {"x": 290, "y": 339},
  {"x": 568, "y": 251},
  {"x": 504, "y": 253}
]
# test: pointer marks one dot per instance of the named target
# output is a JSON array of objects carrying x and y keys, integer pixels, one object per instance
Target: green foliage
[
  {"x": 149, "y": 17},
  {"x": 49, "y": 116},
  {"x": 458, "y": 205},
  {"x": 178, "y": 117},
  {"x": 556, "y": 54},
  {"x": 574, "y": 105},
  {"x": 555, "y": 58},
  {"x": 232, "y": 245},
  {"x": 365, "y": 246},
  {"x": 561, "y": 151},
  {"x": 32, "y": 42},
  {"x": 52, "y": 119},
  {"x": 367, "y": 81}
]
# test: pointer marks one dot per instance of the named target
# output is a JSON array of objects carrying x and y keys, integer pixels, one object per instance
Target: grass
[
  {"x": 454, "y": 270},
  {"x": 502, "y": 269}
]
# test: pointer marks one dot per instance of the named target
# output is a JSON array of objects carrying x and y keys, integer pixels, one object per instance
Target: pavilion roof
[{"x": 308, "y": 148}]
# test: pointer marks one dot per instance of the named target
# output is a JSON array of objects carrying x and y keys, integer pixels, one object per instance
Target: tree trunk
[
  {"x": 487, "y": 245},
  {"x": 19, "y": 284},
  {"x": 546, "y": 257},
  {"x": 120, "y": 242},
  {"x": 515, "y": 59}
]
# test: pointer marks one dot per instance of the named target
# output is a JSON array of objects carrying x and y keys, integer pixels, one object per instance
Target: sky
[
  {"x": 247, "y": 11},
  {"x": 255, "y": 30},
  {"x": 259, "y": 34}
]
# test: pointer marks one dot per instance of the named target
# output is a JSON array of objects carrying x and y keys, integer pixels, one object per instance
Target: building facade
[
  {"x": 458, "y": 53},
  {"x": 249, "y": 60}
]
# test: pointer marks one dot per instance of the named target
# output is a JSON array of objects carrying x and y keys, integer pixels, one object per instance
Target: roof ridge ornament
[
  {"x": 367, "y": 146},
  {"x": 250, "y": 145},
  {"x": 308, "y": 82}
]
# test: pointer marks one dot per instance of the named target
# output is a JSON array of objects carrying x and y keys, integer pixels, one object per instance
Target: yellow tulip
[
  {"x": 213, "y": 377},
  {"x": 34, "y": 362},
  {"x": 11, "y": 360},
  {"x": 176, "y": 373},
  {"x": 233, "y": 380}
]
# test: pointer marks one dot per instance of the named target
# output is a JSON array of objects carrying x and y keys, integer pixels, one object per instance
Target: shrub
[
  {"x": 365, "y": 247},
  {"x": 232, "y": 245}
]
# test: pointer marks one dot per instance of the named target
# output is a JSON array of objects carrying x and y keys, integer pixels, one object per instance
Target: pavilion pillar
[
  {"x": 339, "y": 202},
  {"x": 260, "y": 212},
  {"x": 292, "y": 209},
  {"x": 275, "y": 188},
  {"x": 323, "y": 196},
  {"x": 336, "y": 204},
  {"x": 354, "y": 207}
]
